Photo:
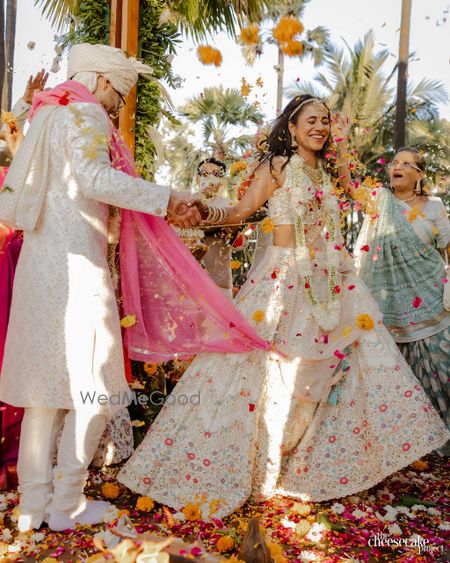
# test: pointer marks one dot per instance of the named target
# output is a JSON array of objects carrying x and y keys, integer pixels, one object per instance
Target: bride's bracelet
[{"x": 216, "y": 215}]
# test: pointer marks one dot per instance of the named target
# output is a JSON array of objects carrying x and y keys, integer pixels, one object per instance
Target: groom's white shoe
[
  {"x": 92, "y": 513},
  {"x": 27, "y": 522}
]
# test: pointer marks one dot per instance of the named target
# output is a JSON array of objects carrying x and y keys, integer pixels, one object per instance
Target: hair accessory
[{"x": 318, "y": 104}]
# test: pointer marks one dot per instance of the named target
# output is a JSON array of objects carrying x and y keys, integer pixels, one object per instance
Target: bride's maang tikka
[{"x": 318, "y": 104}]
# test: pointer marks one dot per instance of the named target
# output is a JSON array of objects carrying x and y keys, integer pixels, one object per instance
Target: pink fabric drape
[
  {"x": 10, "y": 417},
  {"x": 179, "y": 310}
]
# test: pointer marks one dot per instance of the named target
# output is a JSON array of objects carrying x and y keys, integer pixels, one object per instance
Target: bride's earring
[
  {"x": 294, "y": 143},
  {"x": 418, "y": 187}
]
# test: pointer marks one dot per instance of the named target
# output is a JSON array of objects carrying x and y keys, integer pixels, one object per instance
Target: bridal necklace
[
  {"x": 315, "y": 174},
  {"x": 327, "y": 315}
]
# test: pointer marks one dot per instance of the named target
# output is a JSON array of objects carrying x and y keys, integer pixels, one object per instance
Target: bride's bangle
[{"x": 216, "y": 215}]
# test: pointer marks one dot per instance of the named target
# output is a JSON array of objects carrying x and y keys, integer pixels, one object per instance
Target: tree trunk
[
  {"x": 2, "y": 51},
  {"x": 10, "y": 38},
  {"x": 400, "y": 114}
]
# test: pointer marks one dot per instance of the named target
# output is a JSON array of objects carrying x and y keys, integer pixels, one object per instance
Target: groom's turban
[{"x": 110, "y": 62}]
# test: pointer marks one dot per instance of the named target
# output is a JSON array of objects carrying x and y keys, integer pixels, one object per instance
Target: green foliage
[
  {"x": 203, "y": 18},
  {"x": 59, "y": 11},
  {"x": 156, "y": 43},
  {"x": 224, "y": 117}
]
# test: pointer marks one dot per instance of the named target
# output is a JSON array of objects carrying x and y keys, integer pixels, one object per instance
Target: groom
[{"x": 64, "y": 336}]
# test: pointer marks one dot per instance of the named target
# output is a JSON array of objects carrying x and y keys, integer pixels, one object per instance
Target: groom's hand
[{"x": 182, "y": 210}]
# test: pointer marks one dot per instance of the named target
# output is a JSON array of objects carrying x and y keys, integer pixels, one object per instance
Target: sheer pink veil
[{"x": 179, "y": 310}]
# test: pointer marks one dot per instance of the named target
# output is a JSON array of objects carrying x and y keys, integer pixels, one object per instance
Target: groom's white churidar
[{"x": 64, "y": 335}]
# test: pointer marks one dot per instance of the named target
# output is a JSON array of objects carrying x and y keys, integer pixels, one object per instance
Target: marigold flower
[
  {"x": 150, "y": 369},
  {"x": 128, "y": 321},
  {"x": 110, "y": 491},
  {"x": 209, "y": 56},
  {"x": 420, "y": 465},
  {"x": 10, "y": 119},
  {"x": 246, "y": 88},
  {"x": 250, "y": 34},
  {"x": 286, "y": 28},
  {"x": 258, "y": 316},
  {"x": 235, "y": 264},
  {"x": 237, "y": 167},
  {"x": 145, "y": 504},
  {"x": 123, "y": 512},
  {"x": 365, "y": 322},
  {"x": 276, "y": 552},
  {"x": 224, "y": 544},
  {"x": 292, "y": 48},
  {"x": 267, "y": 225},
  {"x": 192, "y": 512}
]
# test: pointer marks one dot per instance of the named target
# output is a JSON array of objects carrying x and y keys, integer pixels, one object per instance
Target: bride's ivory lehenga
[{"x": 331, "y": 414}]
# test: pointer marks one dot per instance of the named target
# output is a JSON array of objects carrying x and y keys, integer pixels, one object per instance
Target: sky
[{"x": 347, "y": 21}]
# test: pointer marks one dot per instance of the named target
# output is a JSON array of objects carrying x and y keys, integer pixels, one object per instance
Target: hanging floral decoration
[
  {"x": 209, "y": 56},
  {"x": 285, "y": 33},
  {"x": 250, "y": 34}
]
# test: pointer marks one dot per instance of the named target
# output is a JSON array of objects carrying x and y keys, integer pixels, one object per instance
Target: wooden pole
[
  {"x": 124, "y": 34},
  {"x": 400, "y": 113},
  {"x": 280, "y": 73}
]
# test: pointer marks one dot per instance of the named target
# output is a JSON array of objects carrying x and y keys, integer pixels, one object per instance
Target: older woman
[{"x": 402, "y": 259}]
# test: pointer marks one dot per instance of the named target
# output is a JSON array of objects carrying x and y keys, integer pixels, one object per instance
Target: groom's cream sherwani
[{"x": 64, "y": 335}]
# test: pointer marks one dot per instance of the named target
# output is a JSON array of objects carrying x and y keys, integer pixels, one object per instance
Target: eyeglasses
[
  {"x": 122, "y": 99},
  {"x": 216, "y": 173},
  {"x": 407, "y": 165}
]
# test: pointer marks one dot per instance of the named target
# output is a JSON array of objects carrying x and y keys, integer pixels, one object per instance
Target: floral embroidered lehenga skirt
[{"x": 325, "y": 416}]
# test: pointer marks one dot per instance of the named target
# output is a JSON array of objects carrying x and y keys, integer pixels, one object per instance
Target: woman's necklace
[
  {"x": 327, "y": 315},
  {"x": 408, "y": 199},
  {"x": 315, "y": 174}
]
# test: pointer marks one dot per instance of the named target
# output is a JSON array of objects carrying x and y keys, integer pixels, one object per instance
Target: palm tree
[
  {"x": 58, "y": 11},
  {"x": 10, "y": 36},
  {"x": 218, "y": 110},
  {"x": 223, "y": 115},
  {"x": 198, "y": 18},
  {"x": 359, "y": 83}
]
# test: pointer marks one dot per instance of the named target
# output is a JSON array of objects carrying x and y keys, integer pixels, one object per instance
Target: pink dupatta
[{"x": 179, "y": 310}]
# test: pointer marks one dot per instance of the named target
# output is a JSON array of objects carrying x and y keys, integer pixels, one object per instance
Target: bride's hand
[{"x": 341, "y": 127}]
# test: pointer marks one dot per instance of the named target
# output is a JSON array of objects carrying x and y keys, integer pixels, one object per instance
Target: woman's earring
[
  {"x": 418, "y": 187},
  {"x": 294, "y": 143}
]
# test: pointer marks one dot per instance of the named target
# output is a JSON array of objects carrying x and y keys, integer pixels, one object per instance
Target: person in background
[
  {"x": 10, "y": 246},
  {"x": 210, "y": 181},
  {"x": 402, "y": 256}
]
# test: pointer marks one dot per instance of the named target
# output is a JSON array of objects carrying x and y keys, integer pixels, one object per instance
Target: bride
[{"x": 335, "y": 408}]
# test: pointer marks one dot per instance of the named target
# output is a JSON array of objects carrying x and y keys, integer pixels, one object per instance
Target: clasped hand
[{"x": 184, "y": 210}]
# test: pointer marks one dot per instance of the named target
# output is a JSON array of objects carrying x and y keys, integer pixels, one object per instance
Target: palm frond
[
  {"x": 432, "y": 91},
  {"x": 58, "y": 11}
]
